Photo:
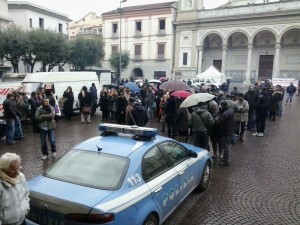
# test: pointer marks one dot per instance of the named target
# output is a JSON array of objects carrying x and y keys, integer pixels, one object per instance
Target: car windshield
[
  {"x": 91, "y": 169},
  {"x": 30, "y": 87}
]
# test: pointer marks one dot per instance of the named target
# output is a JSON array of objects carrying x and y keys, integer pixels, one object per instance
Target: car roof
[{"x": 121, "y": 145}]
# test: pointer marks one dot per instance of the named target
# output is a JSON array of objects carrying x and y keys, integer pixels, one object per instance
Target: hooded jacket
[
  {"x": 201, "y": 120},
  {"x": 138, "y": 115}
]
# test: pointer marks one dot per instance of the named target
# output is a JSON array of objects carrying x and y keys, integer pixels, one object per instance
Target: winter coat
[
  {"x": 170, "y": 110},
  {"x": 16, "y": 203},
  {"x": 251, "y": 97},
  {"x": 84, "y": 101},
  {"x": 201, "y": 120},
  {"x": 275, "y": 98},
  {"x": 9, "y": 109},
  {"x": 263, "y": 103},
  {"x": 45, "y": 117},
  {"x": 291, "y": 89},
  {"x": 225, "y": 122},
  {"x": 68, "y": 105},
  {"x": 181, "y": 119},
  {"x": 139, "y": 116},
  {"x": 241, "y": 111}
]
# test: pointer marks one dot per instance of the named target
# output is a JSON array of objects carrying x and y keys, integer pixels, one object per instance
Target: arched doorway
[
  {"x": 138, "y": 73},
  {"x": 212, "y": 45}
]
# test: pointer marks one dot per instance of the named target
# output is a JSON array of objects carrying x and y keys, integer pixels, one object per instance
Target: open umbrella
[
  {"x": 194, "y": 99},
  {"x": 154, "y": 81},
  {"x": 133, "y": 87},
  {"x": 181, "y": 94},
  {"x": 174, "y": 85}
]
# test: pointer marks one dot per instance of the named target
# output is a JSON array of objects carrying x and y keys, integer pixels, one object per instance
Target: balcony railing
[
  {"x": 161, "y": 32},
  {"x": 160, "y": 57},
  {"x": 138, "y": 33},
  {"x": 137, "y": 58}
]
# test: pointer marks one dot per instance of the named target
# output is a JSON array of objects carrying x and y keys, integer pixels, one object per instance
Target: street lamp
[{"x": 120, "y": 56}]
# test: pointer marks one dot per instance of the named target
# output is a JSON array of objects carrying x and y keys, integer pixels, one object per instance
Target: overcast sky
[{"x": 76, "y": 9}]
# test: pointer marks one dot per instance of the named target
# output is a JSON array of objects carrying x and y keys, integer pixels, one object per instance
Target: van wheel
[
  {"x": 150, "y": 220},
  {"x": 205, "y": 179}
]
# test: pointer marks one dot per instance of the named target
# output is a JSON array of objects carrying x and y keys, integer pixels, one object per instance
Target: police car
[{"x": 126, "y": 176}]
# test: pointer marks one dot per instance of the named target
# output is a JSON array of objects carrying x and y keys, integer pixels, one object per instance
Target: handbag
[
  {"x": 86, "y": 110},
  {"x": 163, "y": 119}
]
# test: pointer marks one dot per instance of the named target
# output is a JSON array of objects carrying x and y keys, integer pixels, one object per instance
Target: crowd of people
[{"x": 221, "y": 121}]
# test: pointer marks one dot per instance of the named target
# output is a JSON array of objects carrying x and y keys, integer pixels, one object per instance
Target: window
[
  {"x": 99, "y": 31},
  {"x": 138, "y": 25},
  {"x": 60, "y": 28},
  {"x": 161, "y": 49},
  {"x": 115, "y": 28},
  {"x": 30, "y": 23},
  {"x": 138, "y": 50},
  {"x": 184, "y": 58},
  {"x": 41, "y": 23},
  {"x": 114, "y": 48},
  {"x": 162, "y": 24},
  {"x": 153, "y": 164},
  {"x": 176, "y": 152}
]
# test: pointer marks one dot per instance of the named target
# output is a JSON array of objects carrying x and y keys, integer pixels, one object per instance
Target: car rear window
[{"x": 92, "y": 169}]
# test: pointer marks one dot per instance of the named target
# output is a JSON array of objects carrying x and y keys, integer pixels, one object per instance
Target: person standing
[
  {"x": 103, "y": 103},
  {"x": 14, "y": 193},
  {"x": 33, "y": 108},
  {"x": 138, "y": 115},
  {"x": 170, "y": 112},
  {"x": 93, "y": 92},
  {"x": 45, "y": 117},
  {"x": 201, "y": 122},
  {"x": 290, "y": 90},
  {"x": 68, "y": 105},
  {"x": 121, "y": 104},
  {"x": 241, "y": 116},
  {"x": 225, "y": 122},
  {"x": 251, "y": 96},
  {"x": 262, "y": 109},
  {"x": 10, "y": 116},
  {"x": 85, "y": 100}
]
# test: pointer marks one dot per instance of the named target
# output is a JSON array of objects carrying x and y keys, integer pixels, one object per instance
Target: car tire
[
  {"x": 150, "y": 220},
  {"x": 205, "y": 179}
]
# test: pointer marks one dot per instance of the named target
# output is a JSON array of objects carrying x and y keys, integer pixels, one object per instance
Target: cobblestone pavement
[{"x": 261, "y": 185}]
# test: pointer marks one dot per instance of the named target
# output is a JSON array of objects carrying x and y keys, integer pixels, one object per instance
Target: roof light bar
[{"x": 125, "y": 129}]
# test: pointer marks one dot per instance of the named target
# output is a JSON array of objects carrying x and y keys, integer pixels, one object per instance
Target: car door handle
[
  {"x": 158, "y": 190},
  {"x": 181, "y": 173}
]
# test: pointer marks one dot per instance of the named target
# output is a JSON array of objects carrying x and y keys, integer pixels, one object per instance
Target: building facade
[
  {"x": 88, "y": 26},
  {"x": 147, "y": 33},
  {"x": 247, "y": 40},
  {"x": 30, "y": 16}
]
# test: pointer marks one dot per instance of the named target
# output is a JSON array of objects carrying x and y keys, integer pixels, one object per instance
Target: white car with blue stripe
[{"x": 126, "y": 176}]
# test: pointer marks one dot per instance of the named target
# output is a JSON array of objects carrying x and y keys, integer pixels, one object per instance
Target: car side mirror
[{"x": 193, "y": 154}]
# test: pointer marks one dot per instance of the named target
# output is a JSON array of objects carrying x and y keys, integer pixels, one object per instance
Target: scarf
[{"x": 5, "y": 177}]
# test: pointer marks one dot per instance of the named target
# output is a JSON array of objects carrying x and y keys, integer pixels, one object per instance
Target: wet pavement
[{"x": 261, "y": 185}]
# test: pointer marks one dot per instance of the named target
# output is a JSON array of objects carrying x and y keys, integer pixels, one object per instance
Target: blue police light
[{"x": 125, "y": 129}]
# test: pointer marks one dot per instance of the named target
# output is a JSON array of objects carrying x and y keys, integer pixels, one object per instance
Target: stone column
[
  {"x": 248, "y": 71},
  {"x": 276, "y": 61},
  {"x": 224, "y": 59},
  {"x": 200, "y": 56}
]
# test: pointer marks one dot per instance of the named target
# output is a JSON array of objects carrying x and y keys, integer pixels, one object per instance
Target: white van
[{"x": 59, "y": 81}]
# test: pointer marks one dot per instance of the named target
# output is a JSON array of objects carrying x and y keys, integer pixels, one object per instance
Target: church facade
[{"x": 246, "y": 40}]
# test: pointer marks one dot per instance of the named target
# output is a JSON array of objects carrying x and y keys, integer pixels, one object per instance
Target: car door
[
  {"x": 162, "y": 180},
  {"x": 184, "y": 165}
]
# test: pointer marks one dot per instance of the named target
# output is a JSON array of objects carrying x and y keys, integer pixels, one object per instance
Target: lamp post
[{"x": 120, "y": 56}]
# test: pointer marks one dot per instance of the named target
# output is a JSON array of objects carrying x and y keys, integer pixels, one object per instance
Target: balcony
[
  {"x": 138, "y": 34},
  {"x": 115, "y": 35},
  {"x": 161, "y": 33}
]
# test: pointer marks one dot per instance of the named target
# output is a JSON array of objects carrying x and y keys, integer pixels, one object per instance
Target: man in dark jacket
[
  {"x": 138, "y": 115},
  {"x": 226, "y": 124},
  {"x": 251, "y": 97},
  {"x": 170, "y": 112},
  {"x": 262, "y": 109},
  {"x": 10, "y": 116},
  {"x": 291, "y": 89},
  {"x": 85, "y": 100}
]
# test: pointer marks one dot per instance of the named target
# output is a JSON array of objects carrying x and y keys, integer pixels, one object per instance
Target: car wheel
[
  {"x": 150, "y": 220},
  {"x": 205, "y": 179}
]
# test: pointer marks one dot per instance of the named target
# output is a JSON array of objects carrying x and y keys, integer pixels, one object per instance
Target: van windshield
[{"x": 30, "y": 87}]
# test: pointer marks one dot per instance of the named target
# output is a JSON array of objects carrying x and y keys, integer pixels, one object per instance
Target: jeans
[
  {"x": 225, "y": 145},
  {"x": 261, "y": 117},
  {"x": 200, "y": 139},
  {"x": 240, "y": 128},
  {"x": 290, "y": 97},
  {"x": 251, "y": 120},
  {"x": 51, "y": 137},
  {"x": 10, "y": 130},
  {"x": 18, "y": 129},
  {"x": 85, "y": 117}
]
